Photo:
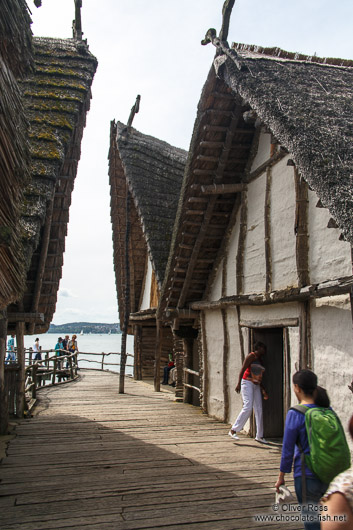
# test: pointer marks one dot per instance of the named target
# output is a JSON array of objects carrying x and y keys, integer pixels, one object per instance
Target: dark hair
[
  {"x": 350, "y": 426},
  {"x": 36, "y": 339},
  {"x": 321, "y": 397},
  {"x": 258, "y": 344},
  {"x": 306, "y": 380}
]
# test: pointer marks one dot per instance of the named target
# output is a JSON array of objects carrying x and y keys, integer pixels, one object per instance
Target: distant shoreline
[{"x": 85, "y": 328}]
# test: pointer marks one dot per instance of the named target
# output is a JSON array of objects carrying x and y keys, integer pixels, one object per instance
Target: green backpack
[{"x": 329, "y": 451}]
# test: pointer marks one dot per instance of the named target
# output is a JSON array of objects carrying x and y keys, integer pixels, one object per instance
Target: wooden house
[
  {"x": 16, "y": 61},
  {"x": 56, "y": 98},
  {"x": 261, "y": 248},
  {"x": 145, "y": 178},
  {"x": 48, "y": 92}
]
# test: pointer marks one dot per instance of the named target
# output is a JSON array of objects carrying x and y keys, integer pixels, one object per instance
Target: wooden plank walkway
[{"x": 91, "y": 458}]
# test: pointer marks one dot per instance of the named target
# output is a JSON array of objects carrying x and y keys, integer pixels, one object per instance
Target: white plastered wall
[
  {"x": 216, "y": 289},
  {"x": 146, "y": 299},
  {"x": 234, "y": 364},
  {"x": 215, "y": 342},
  {"x": 263, "y": 151},
  {"x": 254, "y": 250},
  {"x": 331, "y": 341},
  {"x": 231, "y": 259},
  {"x": 283, "y": 243},
  {"x": 329, "y": 257}
]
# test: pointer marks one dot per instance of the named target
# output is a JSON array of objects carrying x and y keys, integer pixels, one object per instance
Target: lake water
[{"x": 91, "y": 343}]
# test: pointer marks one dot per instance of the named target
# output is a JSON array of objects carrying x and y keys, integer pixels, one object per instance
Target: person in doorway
[
  {"x": 167, "y": 369},
  {"x": 252, "y": 391},
  {"x": 37, "y": 350},
  {"x": 295, "y": 436},
  {"x": 338, "y": 500},
  {"x": 11, "y": 355}
]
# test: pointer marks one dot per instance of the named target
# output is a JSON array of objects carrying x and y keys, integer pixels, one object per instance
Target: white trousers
[{"x": 252, "y": 398}]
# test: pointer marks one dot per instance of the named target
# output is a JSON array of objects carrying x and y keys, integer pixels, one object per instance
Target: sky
[{"x": 152, "y": 48}]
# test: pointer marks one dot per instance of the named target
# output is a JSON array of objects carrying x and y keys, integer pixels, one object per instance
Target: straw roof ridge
[
  {"x": 154, "y": 171},
  {"x": 309, "y": 109}
]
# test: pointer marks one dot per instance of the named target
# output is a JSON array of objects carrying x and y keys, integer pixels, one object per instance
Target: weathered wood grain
[{"x": 92, "y": 458}]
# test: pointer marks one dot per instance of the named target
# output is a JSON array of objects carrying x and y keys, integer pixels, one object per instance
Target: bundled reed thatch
[
  {"x": 56, "y": 99},
  {"x": 151, "y": 172},
  {"x": 15, "y": 61},
  {"x": 306, "y": 103}
]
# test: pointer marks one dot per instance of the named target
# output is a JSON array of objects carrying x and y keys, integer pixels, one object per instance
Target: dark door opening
[{"x": 272, "y": 379}]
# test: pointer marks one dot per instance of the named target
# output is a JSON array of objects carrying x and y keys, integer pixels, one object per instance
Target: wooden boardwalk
[{"x": 91, "y": 458}]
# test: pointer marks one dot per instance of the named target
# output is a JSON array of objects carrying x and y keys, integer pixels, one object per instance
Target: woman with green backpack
[{"x": 315, "y": 440}]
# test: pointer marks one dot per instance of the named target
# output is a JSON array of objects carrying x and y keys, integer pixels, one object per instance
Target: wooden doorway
[{"x": 273, "y": 380}]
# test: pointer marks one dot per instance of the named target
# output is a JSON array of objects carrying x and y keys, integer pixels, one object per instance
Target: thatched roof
[
  {"x": 16, "y": 36},
  {"x": 15, "y": 61},
  {"x": 152, "y": 172},
  {"x": 308, "y": 108},
  {"x": 307, "y": 103},
  {"x": 56, "y": 99}
]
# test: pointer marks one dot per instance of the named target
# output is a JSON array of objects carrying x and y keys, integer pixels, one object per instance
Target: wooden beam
[
  {"x": 37, "y": 318},
  {"x": 291, "y": 294},
  {"x": 267, "y": 227},
  {"x": 301, "y": 229},
  {"x": 220, "y": 189},
  {"x": 270, "y": 323},
  {"x": 181, "y": 313}
]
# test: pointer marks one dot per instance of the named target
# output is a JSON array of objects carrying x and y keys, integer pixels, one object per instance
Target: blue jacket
[{"x": 294, "y": 432}]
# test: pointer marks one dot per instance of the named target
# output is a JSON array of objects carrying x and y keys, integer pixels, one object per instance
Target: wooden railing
[
  {"x": 52, "y": 369},
  {"x": 102, "y": 363},
  {"x": 191, "y": 372}
]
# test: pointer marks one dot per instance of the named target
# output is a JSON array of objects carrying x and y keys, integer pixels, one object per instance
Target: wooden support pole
[
  {"x": 179, "y": 366},
  {"x": 20, "y": 391},
  {"x": 225, "y": 366},
  {"x": 267, "y": 226},
  {"x": 157, "y": 364},
  {"x": 4, "y": 417},
  {"x": 204, "y": 357},
  {"x": 127, "y": 296},
  {"x": 301, "y": 229}
]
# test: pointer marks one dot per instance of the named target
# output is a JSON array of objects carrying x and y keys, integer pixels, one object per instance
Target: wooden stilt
[
  {"x": 4, "y": 419},
  {"x": 225, "y": 366},
  {"x": 20, "y": 391},
  {"x": 157, "y": 365}
]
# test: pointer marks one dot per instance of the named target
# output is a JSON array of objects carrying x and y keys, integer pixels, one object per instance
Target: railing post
[
  {"x": 103, "y": 354},
  {"x": 54, "y": 371},
  {"x": 71, "y": 367},
  {"x": 34, "y": 380}
]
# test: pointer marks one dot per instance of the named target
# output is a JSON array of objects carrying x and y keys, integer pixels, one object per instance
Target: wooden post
[
  {"x": 103, "y": 355},
  {"x": 225, "y": 366},
  {"x": 34, "y": 380},
  {"x": 241, "y": 243},
  {"x": 127, "y": 296},
  {"x": 157, "y": 364},
  {"x": 4, "y": 417},
  {"x": 179, "y": 366},
  {"x": 20, "y": 391},
  {"x": 71, "y": 367},
  {"x": 204, "y": 355},
  {"x": 54, "y": 370},
  {"x": 267, "y": 224}
]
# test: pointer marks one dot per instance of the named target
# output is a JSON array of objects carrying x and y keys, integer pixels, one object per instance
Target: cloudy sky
[{"x": 152, "y": 48}]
